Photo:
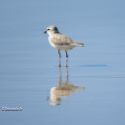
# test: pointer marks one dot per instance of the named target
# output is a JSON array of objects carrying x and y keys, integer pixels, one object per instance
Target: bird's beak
[{"x": 45, "y": 31}]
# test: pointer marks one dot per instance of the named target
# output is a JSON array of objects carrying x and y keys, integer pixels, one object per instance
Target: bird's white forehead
[{"x": 51, "y": 27}]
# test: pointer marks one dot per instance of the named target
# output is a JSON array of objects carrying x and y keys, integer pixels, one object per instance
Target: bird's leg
[
  {"x": 59, "y": 53},
  {"x": 67, "y": 75},
  {"x": 66, "y": 58},
  {"x": 60, "y": 77}
]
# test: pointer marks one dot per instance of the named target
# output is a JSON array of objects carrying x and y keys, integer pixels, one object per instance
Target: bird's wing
[{"x": 60, "y": 39}]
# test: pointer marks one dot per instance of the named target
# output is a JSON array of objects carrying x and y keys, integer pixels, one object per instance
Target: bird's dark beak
[{"x": 45, "y": 31}]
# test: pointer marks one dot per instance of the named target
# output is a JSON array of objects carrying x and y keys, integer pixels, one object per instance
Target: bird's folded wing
[{"x": 61, "y": 40}]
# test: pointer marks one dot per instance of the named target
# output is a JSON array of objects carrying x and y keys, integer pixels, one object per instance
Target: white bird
[{"x": 61, "y": 42}]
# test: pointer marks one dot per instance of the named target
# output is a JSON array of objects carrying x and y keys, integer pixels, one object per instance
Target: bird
[{"x": 61, "y": 42}]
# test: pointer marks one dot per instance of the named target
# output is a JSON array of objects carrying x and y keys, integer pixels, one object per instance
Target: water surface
[{"x": 90, "y": 91}]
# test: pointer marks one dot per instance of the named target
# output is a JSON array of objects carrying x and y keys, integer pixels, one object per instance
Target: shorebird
[{"x": 61, "y": 42}]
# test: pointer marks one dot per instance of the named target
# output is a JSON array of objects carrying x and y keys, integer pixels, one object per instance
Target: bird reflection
[{"x": 63, "y": 88}]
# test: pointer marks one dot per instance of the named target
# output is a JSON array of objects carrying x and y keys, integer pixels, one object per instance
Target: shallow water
[{"x": 33, "y": 90}]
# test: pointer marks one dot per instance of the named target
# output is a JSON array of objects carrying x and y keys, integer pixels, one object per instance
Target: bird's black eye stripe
[{"x": 48, "y": 29}]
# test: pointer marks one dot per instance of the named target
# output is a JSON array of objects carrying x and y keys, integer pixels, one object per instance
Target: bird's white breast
[{"x": 51, "y": 42}]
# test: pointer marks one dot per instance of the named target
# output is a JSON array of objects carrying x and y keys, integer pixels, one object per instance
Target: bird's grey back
[{"x": 61, "y": 39}]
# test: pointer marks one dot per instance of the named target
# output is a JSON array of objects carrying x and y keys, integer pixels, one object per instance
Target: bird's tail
[{"x": 78, "y": 44}]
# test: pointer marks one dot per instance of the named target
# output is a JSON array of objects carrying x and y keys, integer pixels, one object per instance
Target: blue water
[{"x": 90, "y": 91}]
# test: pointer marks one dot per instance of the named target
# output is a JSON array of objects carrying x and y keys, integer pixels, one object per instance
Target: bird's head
[{"x": 51, "y": 29}]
